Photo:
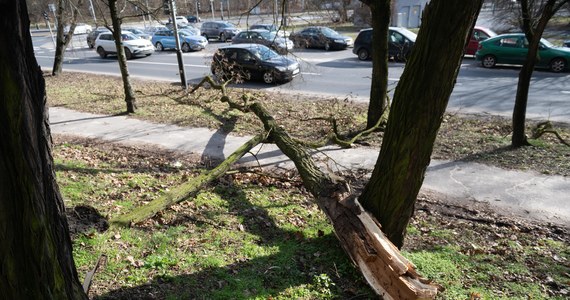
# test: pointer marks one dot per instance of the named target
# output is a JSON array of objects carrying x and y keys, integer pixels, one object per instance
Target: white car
[
  {"x": 181, "y": 20},
  {"x": 80, "y": 28},
  {"x": 133, "y": 45}
]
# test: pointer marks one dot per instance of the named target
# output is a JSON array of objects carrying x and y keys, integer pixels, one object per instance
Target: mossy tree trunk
[
  {"x": 35, "y": 248},
  {"x": 130, "y": 98},
  {"x": 533, "y": 27},
  {"x": 419, "y": 103},
  {"x": 381, "y": 11}
]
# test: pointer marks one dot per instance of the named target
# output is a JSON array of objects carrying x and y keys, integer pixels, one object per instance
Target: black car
[
  {"x": 320, "y": 37},
  {"x": 400, "y": 43},
  {"x": 253, "y": 61},
  {"x": 193, "y": 19},
  {"x": 567, "y": 43}
]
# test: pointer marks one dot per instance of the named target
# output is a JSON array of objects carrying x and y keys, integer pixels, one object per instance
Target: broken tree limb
[
  {"x": 389, "y": 273},
  {"x": 546, "y": 127},
  {"x": 385, "y": 269},
  {"x": 187, "y": 190}
]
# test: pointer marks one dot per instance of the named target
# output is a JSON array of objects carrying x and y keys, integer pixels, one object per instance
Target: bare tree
[
  {"x": 115, "y": 27},
  {"x": 534, "y": 17},
  {"x": 36, "y": 259},
  {"x": 63, "y": 39}
]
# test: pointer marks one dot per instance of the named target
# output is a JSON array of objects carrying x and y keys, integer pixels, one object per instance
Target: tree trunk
[
  {"x": 35, "y": 248},
  {"x": 419, "y": 103},
  {"x": 130, "y": 98},
  {"x": 533, "y": 35},
  {"x": 62, "y": 41},
  {"x": 379, "y": 86}
]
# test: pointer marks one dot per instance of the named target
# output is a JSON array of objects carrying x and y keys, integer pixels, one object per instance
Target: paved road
[{"x": 341, "y": 74}]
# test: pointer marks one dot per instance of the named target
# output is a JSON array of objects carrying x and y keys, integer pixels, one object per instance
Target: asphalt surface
[{"x": 521, "y": 193}]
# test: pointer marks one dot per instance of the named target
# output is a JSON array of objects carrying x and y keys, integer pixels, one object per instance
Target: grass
[{"x": 252, "y": 236}]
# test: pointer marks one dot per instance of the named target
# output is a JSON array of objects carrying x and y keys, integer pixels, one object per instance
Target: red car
[{"x": 479, "y": 34}]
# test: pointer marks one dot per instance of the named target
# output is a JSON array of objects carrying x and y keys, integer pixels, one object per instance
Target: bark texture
[
  {"x": 35, "y": 248},
  {"x": 379, "y": 86},
  {"x": 419, "y": 103}
]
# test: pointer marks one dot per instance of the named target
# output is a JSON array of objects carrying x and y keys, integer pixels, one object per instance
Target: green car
[{"x": 512, "y": 49}]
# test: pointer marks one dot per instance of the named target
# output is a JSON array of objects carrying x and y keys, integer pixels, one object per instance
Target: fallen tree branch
[
  {"x": 389, "y": 273},
  {"x": 187, "y": 190},
  {"x": 546, "y": 127}
]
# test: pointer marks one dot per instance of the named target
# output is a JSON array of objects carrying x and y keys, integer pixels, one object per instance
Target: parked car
[
  {"x": 92, "y": 36},
  {"x": 133, "y": 45},
  {"x": 80, "y": 28},
  {"x": 186, "y": 26},
  {"x": 567, "y": 43},
  {"x": 264, "y": 37},
  {"x": 180, "y": 20},
  {"x": 193, "y": 19},
  {"x": 138, "y": 32},
  {"x": 479, "y": 34},
  {"x": 191, "y": 30},
  {"x": 320, "y": 37},
  {"x": 165, "y": 39},
  {"x": 219, "y": 30},
  {"x": 152, "y": 29},
  {"x": 400, "y": 43},
  {"x": 512, "y": 49},
  {"x": 253, "y": 61},
  {"x": 271, "y": 28}
]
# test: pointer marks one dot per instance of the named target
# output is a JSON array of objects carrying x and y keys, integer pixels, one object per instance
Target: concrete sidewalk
[{"x": 522, "y": 193}]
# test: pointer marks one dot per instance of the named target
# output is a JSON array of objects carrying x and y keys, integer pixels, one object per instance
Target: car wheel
[
  {"x": 268, "y": 77},
  {"x": 557, "y": 65},
  {"x": 327, "y": 46},
  {"x": 489, "y": 61},
  {"x": 185, "y": 47},
  {"x": 223, "y": 37},
  {"x": 159, "y": 46},
  {"x": 101, "y": 52},
  {"x": 128, "y": 53},
  {"x": 363, "y": 54}
]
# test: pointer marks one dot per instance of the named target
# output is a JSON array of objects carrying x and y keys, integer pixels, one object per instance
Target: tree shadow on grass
[{"x": 296, "y": 261}]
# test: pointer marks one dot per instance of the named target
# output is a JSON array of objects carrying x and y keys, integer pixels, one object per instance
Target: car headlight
[{"x": 339, "y": 41}]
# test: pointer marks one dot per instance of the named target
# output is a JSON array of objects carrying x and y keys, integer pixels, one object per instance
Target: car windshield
[
  {"x": 264, "y": 53},
  {"x": 128, "y": 37},
  {"x": 268, "y": 35},
  {"x": 190, "y": 31},
  {"x": 329, "y": 32},
  {"x": 266, "y": 27},
  {"x": 226, "y": 25},
  {"x": 136, "y": 31},
  {"x": 546, "y": 43},
  {"x": 408, "y": 34}
]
